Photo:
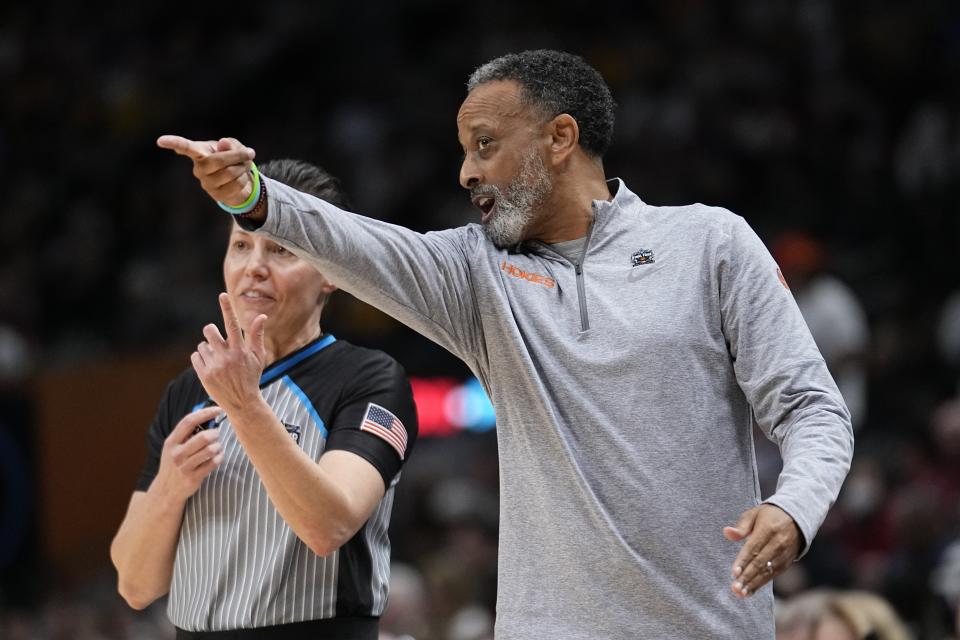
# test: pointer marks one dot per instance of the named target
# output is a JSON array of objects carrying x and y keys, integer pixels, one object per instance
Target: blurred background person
[
  {"x": 859, "y": 615},
  {"x": 798, "y": 615},
  {"x": 832, "y": 310},
  {"x": 831, "y": 614}
]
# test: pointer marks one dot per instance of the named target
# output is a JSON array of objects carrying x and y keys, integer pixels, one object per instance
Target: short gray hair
[{"x": 556, "y": 82}]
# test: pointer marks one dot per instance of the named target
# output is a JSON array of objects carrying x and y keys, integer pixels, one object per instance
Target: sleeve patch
[{"x": 383, "y": 424}]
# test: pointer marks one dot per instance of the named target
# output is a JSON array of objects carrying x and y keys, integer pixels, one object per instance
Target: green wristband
[{"x": 251, "y": 201}]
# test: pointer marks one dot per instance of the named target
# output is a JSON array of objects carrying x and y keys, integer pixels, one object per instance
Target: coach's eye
[{"x": 483, "y": 142}]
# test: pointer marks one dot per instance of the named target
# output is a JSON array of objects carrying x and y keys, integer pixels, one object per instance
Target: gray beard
[{"x": 517, "y": 205}]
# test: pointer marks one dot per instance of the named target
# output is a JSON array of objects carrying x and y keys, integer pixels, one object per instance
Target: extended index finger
[
  {"x": 230, "y": 321},
  {"x": 194, "y": 149}
]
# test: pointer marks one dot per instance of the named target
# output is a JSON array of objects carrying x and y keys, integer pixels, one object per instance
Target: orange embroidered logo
[
  {"x": 783, "y": 280},
  {"x": 535, "y": 278}
]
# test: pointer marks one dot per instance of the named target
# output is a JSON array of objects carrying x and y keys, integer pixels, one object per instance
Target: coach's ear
[{"x": 564, "y": 138}]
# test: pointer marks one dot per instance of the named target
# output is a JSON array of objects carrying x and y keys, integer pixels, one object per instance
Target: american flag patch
[{"x": 385, "y": 425}]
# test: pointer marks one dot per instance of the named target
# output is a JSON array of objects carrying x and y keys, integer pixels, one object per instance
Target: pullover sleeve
[
  {"x": 422, "y": 280},
  {"x": 777, "y": 364}
]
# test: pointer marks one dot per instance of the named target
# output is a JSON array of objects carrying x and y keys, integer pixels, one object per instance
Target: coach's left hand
[{"x": 773, "y": 541}]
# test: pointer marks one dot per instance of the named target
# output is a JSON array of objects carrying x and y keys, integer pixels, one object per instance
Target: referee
[{"x": 265, "y": 499}]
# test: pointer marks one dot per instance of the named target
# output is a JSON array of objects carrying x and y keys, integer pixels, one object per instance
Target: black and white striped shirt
[{"x": 238, "y": 564}]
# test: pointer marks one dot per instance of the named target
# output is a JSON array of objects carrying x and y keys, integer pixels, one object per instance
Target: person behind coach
[{"x": 272, "y": 522}]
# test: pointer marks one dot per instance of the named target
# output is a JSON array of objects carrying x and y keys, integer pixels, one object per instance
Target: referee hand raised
[{"x": 229, "y": 367}]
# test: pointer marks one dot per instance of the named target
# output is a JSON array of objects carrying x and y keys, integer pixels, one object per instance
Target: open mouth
[{"x": 486, "y": 205}]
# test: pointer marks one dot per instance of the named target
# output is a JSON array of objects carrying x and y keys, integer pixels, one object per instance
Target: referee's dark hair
[
  {"x": 308, "y": 178},
  {"x": 556, "y": 82}
]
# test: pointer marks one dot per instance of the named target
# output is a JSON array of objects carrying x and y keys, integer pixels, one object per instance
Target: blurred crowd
[{"x": 833, "y": 128}]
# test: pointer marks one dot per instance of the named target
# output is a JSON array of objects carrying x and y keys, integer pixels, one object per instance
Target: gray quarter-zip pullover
[{"x": 626, "y": 387}]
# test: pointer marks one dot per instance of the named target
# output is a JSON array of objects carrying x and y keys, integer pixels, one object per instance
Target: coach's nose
[{"x": 469, "y": 172}]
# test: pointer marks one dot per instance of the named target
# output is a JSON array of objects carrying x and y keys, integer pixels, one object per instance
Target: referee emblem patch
[
  {"x": 293, "y": 431},
  {"x": 210, "y": 424},
  {"x": 385, "y": 426}
]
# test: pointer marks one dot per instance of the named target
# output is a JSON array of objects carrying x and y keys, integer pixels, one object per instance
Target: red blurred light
[{"x": 429, "y": 394}]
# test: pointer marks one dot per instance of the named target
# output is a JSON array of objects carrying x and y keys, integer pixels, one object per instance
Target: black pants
[{"x": 338, "y": 628}]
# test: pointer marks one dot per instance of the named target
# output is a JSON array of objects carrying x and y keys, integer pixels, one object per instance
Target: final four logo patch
[{"x": 642, "y": 256}]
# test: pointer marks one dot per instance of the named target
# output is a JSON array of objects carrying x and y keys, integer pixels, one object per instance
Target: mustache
[{"x": 484, "y": 190}]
